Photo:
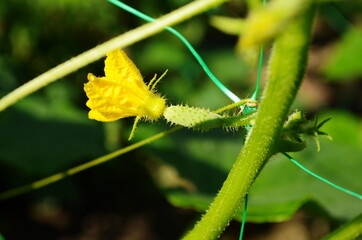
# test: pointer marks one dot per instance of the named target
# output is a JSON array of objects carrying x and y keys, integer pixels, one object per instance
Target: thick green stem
[
  {"x": 287, "y": 67},
  {"x": 122, "y": 41}
]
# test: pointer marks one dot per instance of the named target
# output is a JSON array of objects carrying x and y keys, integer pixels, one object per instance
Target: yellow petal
[
  {"x": 122, "y": 92},
  {"x": 100, "y": 117},
  {"x": 120, "y": 69}
]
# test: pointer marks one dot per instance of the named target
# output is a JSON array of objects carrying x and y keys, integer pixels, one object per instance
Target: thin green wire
[
  {"x": 244, "y": 218},
  {"x": 139, "y": 14},
  {"x": 260, "y": 67},
  {"x": 321, "y": 178}
]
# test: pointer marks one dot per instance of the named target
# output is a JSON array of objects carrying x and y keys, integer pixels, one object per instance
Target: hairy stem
[
  {"x": 121, "y": 41},
  {"x": 287, "y": 67}
]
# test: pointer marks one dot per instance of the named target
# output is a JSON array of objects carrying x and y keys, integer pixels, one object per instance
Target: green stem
[
  {"x": 348, "y": 231},
  {"x": 59, "y": 176},
  {"x": 287, "y": 67},
  {"x": 121, "y": 41}
]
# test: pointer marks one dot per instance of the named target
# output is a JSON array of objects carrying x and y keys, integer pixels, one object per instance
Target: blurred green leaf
[
  {"x": 228, "y": 67},
  {"x": 283, "y": 181},
  {"x": 345, "y": 59},
  {"x": 209, "y": 96},
  {"x": 204, "y": 158},
  {"x": 198, "y": 202},
  {"x": 157, "y": 55},
  {"x": 38, "y": 141},
  {"x": 282, "y": 188},
  {"x": 8, "y": 81},
  {"x": 55, "y": 105},
  {"x": 344, "y": 128}
]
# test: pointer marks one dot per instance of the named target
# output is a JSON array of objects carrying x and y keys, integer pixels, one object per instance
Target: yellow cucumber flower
[{"x": 122, "y": 92}]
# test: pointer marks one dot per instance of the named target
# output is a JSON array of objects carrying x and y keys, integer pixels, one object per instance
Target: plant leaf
[
  {"x": 344, "y": 62},
  {"x": 282, "y": 188}
]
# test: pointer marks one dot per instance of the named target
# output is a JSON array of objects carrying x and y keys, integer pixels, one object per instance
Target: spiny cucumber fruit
[
  {"x": 228, "y": 122},
  {"x": 188, "y": 116},
  {"x": 204, "y": 119}
]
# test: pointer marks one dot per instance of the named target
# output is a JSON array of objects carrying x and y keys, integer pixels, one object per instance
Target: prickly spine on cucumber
[
  {"x": 203, "y": 119},
  {"x": 188, "y": 116},
  {"x": 227, "y": 122}
]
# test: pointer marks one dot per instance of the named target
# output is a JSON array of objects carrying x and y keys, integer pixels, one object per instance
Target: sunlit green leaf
[
  {"x": 282, "y": 188},
  {"x": 43, "y": 146}
]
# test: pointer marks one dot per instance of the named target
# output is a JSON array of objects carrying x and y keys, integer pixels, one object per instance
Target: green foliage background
[{"x": 49, "y": 131}]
